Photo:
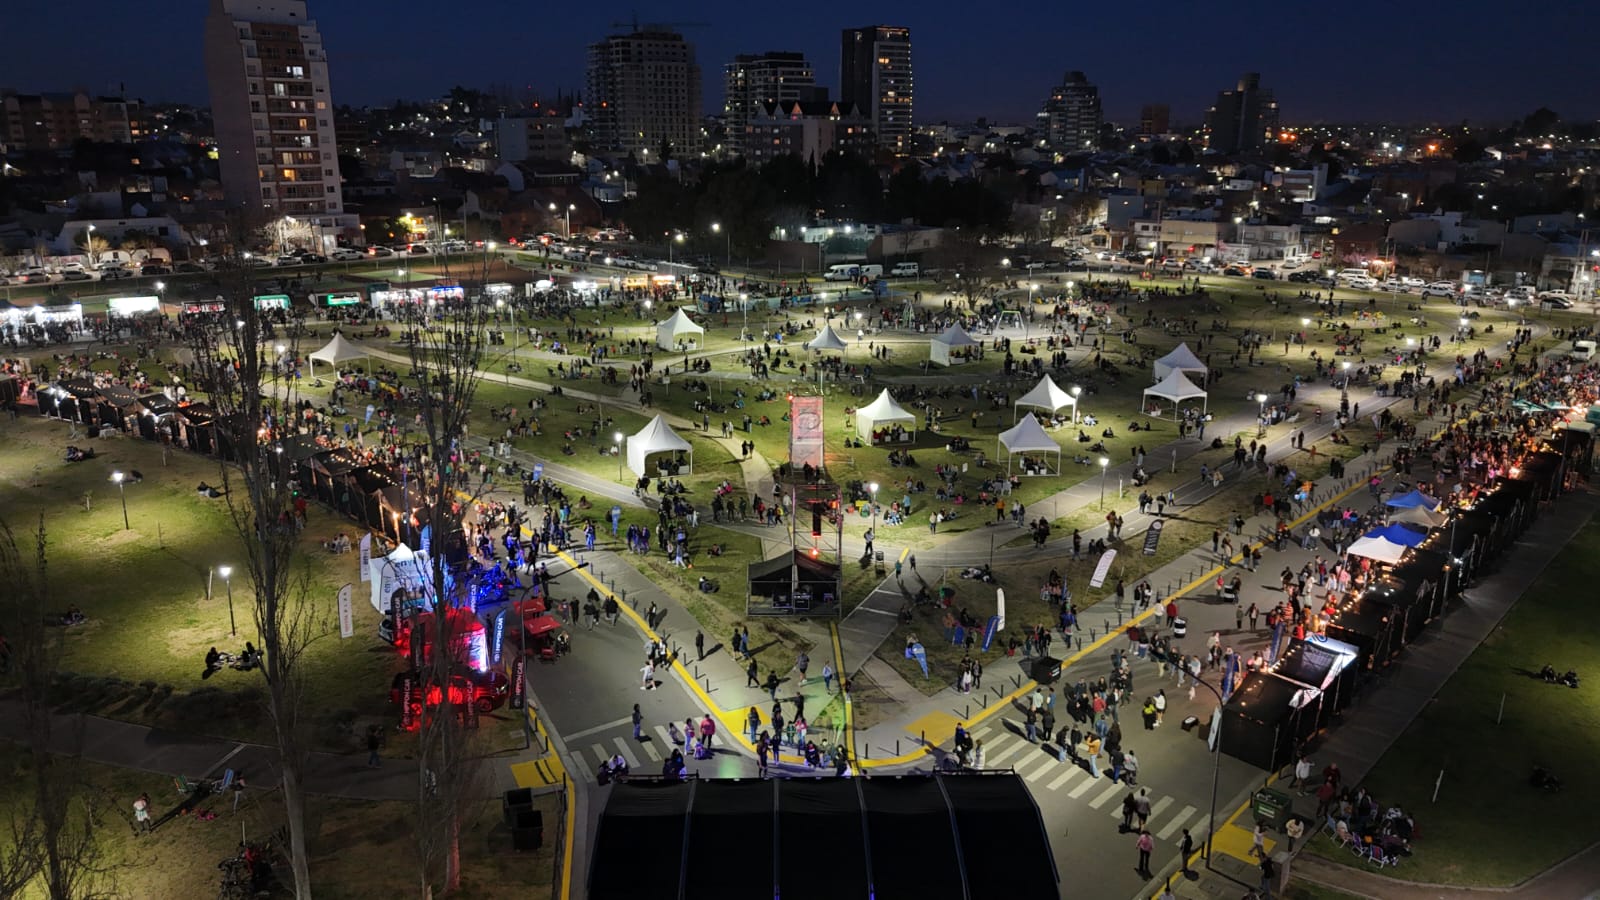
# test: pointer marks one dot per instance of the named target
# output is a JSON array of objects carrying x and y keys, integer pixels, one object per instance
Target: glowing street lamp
[
  {"x": 227, "y": 578},
  {"x": 1076, "y": 392},
  {"x": 1104, "y": 463},
  {"x": 872, "y": 489},
  {"x": 122, "y": 489},
  {"x": 1261, "y": 414},
  {"x": 616, "y": 438},
  {"x": 716, "y": 228}
]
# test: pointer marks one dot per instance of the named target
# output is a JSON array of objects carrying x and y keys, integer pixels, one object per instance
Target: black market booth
[
  {"x": 1367, "y": 626},
  {"x": 1328, "y": 665},
  {"x": 1267, "y": 718},
  {"x": 1413, "y": 590},
  {"x": 329, "y": 469},
  {"x": 906, "y": 837},
  {"x": 158, "y": 417},
  {"x": 792, "y": 583}
]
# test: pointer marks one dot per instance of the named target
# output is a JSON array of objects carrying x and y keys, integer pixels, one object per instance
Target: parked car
[
  {"x": 288, "y": 260},
  {"x": 1440, "y": 289},
  {"x": 113, "y": 274},
  {"x": 1077, "y": 265},
  {"x": 347, "y": 254},
  {"x": 155, "y": 269},
  {"x": 1264, "y": 275},
  {"x": 379, "y": 250},
  {"x": 1235, "y": 272},
  {"x": 312, "y": 259},
  {"x": 1555, "y": 300},
  {"x": 1306, "y": 276}
]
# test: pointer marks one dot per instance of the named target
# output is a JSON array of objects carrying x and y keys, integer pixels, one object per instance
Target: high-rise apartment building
[
  {"x": 643, "y": 90},
  {"x": 1072, "y": 116},
  {"x": 807, "y": 129},
  {"x": 56, "y": 121},
  {"x": 751, "y": 83},
  {"x": 875, "y": 76},
  {"x": 1155, "y": 118},
  {"x": 273, "y": 109},
  {"x": 1245, "y": 118}
]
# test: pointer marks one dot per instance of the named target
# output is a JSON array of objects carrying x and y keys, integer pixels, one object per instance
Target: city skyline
[{"x": 1435, "y": 70}]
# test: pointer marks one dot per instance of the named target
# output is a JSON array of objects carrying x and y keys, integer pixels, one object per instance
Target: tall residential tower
[
  {"x": 644, "y": 90},
  {"x": 273, "y": 109},
  {"x": 1072, "y": 117},
  {"x": 1245, "y": 118},
  {"x": 752, "y": 83},
  {"x": 875, "y": 75}
]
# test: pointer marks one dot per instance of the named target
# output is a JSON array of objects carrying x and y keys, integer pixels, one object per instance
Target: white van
[
  {"x": 842, "y": 272},
  {"x": 1351, "y": 274},
  {"x": 904, "y": 270},
  {"x": 1583, "y": 351},
  {"x": 1522, "y": 293}
]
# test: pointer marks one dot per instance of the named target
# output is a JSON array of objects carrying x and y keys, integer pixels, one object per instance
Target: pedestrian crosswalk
[
  {"x": 587, "y": 759},
  {"x": 1005, "y": 748}
]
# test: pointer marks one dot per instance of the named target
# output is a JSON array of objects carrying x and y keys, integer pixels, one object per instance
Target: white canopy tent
[
  {"x": 1181, "y": 359},
  {"x": 1028, "y": 436},
  {"x": 954, "y": 338},
  {"x": 337, "y": 351},
  {"x": 679, "y": 326},
  {"x": 826, "y": 339},
  {"x": 1418, "y": 515},
  {"x": 1379, "y": 549},
  {"x": 1176, "y": 387},
  {"x": 403, "y": 574},
  {"x": 1046, "y": 395},
  {"x": 882, "y": 412},
  {"x": 655, "y": 437}
]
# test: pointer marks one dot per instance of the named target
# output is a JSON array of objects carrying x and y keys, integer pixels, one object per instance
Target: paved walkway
[{"x": 1576, "y": 878}]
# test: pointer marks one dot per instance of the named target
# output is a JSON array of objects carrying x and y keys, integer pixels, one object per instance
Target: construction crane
[{"x": 651, "y": 26}]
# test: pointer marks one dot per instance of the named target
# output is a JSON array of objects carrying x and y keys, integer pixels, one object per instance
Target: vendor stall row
[{"x": 1424, "y": 557}]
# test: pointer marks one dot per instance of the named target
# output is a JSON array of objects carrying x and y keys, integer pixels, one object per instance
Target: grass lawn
[
  {"x": 359, "y": 849},
  {"x": 140, "y": 655},
  {"x": 1489, "y": 827}
]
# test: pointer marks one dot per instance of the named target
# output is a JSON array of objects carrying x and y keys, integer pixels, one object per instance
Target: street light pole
[
  {"x": 1076, "y": 392},
  {"x": 873, "y": 490},
  {"x": 617, "y": 437},
  {"x": 1104, "y": 463},
  {"x": 1216, "y": 771},
  {"x": 122, "y": 489},
  {"x": 1261, "y": 415},
  {"x": 227, "y": 578}
]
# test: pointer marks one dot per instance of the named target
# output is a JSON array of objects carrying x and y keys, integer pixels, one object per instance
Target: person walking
[
  {"x": 1161, "y": 706},
  {"x": 638, "y": 723},
  {"x": 1251, "y": 614},
  {"x": 1129, "y": 807},
  {"x": 1258, "y": 842},
  {"x": 700, "y": 644},
  {"x": 1130, "y": 768},
  {"x": 763, "y": 747},
  {"x": 1185, "y": 850},
  {"x": 1092, "y": 754},
  {"x": 1141, "y": 807},
  {"x": 802, "y": 663},
  {"x": 772, "y": 684},
  {"x": 1145, "y": 845},
  {"x": 750, "y": 679},
  {"x": 708, "y": 730},
  {"x": 1268, "y": 873},
  {"x": 373, "y": 743},
  {"x": 754, "y": 720},
  {"x": 827, "y": 677},
  {"x": 647, "y": 672},
  {"x": 141, "y": 814}
]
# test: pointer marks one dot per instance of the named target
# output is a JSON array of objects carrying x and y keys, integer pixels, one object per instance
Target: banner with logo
[
  {"x": 1000, "y": 608},
  {"x": 347, "y": 618},
  {"x": 519, "y": 687},
  {"x": 1103, "y": 568},
  {"x": 366, "y": 557},
  {"x": 805, "y": 432},
  {"x": 990, "y": 631},
  {"x": 1152, "y": 537}
]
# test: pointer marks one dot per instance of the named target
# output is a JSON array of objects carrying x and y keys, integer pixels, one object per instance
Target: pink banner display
[{"x": 805, "y": 432}]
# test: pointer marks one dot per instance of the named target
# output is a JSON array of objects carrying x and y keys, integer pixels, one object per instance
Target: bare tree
[
  {"x": 62, "y": 818},
  {"x": 445, "y": 354},
  {"x": 238, "y": 367}
]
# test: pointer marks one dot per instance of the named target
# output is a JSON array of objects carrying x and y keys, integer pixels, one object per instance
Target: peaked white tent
[
  {"x": 1181, "y": 359},
  {"x": 881, "y": 413},
  {"x": 1028, "y": 436},
  {"x": 403, "y": 574},
  {"x": 1176, "y": 387},
  {"x": 1377, "y": 548},
  {"x": 655, "y": 437},
  {"x": 1046, "y": 395},
  {"x": 337, "y": 351},
  {"x": 953, "y": 339},
  {"x": 827, "y": 339},
  {"x": 1418, "y": 515},
  {"x": 668, "y": 333}
]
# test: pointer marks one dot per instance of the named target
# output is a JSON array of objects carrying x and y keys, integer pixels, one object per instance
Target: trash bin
[
  {"x": 1271, "y": 808},
  {"x": 1046, "y": 669}
]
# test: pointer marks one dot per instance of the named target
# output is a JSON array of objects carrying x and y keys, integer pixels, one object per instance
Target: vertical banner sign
[
  {"x": 427, "y": 538},
  {"x": 990, "y": 631},
  {"x": 408, "y": 692},
  {"x": 1000, "y": 608},
  {"x": 347, "y": 618},
  {"x": 519, "y": 688},
  {"x": 1152, "y": 537},
  {"x": 805, "y": 432},
  {"x": 366, "y": 557},
  {"x": 921, "y": 656},
  {"x": 499, "y": 635},
  {"x": 538, "y": 471},
  {"x": 1103, "y": 567}
]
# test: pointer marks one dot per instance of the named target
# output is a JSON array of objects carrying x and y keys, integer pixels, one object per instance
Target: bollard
[
  {"x": 1119, "y": 616},
  {"x": 708, "y": 684},
  {"x": 969, "y": 712},
  {"x": 1079, "y": 639},
  {"x": 983, "y": 702},
  {"x": 896, "y": 746},
  {"x": 1106, "y": 623},
  {"x": 924, "y": 736},
  {"x": 1016, "y": 681},
  {"x": 1091, "y": 635}
]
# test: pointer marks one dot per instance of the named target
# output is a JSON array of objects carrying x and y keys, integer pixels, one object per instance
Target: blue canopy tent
[
  {"x": 1398, "y": 533},
  {"x": 1414, "y": 498}
]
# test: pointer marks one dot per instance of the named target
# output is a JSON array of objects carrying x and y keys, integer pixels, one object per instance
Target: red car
[{"x": 487, "y": 691}]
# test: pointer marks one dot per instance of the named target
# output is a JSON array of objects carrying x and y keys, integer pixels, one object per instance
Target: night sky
[{"x": 1359, "y": 60}]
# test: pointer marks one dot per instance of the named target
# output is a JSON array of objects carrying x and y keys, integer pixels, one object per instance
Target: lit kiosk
[{"x": 805, "y": 579}]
